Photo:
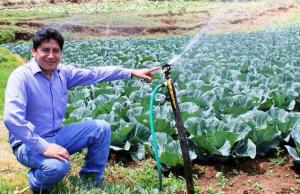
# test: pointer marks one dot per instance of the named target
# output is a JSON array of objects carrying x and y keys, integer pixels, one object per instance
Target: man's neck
[{"x": 47, "y": 73}]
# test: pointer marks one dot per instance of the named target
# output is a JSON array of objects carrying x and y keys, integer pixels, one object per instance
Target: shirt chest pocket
[
  {"x": 61, "y": 103},
  {"x": 64, "y": 97}
]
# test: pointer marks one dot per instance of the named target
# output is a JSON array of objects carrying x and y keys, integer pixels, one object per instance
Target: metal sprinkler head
[{"x": 166, "y": 68}]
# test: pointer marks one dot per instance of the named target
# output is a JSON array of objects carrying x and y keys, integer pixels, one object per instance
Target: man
[{"x": 35, "y": 102}]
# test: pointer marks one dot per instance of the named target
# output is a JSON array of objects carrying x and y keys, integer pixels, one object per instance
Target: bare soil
[
  {"x": 237, "y": 18},
  {"x": 252, "y": 176},
  {"x": 238, "y": 176}
]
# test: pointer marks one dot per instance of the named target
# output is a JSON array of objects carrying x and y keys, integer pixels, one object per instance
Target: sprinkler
[{"x": 180, "y": 128}]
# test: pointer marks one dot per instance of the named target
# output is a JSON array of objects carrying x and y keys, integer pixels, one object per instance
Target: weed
[
  {"x": 269, "y": 172},
  {"x": 67, "y": 35},
  {"x": 6, "y": 36},
  {"x": 212, "y": 191},
  {"x": 280, "y": 159},
  {"x": 257, "y": 186},
  {"x": 3, "y": 58},
  {"x": 222, "y": 180},
  {"x": 199, "y": 169},
  {"x": 234, "y": 172}
]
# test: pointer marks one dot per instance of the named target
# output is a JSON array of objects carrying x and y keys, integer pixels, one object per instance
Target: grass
[
  {"x": 25, "y": 14},
  {"x": 257, "y": 186},
  {"x": 12, "y": 174},
  {"x": 138, "y": 177},
  {"x": 279, "y": 159},
  {"x": 292, "y": 18},
  {"x": 8, "y": 62},
  {"x": 222, "y": 180}
]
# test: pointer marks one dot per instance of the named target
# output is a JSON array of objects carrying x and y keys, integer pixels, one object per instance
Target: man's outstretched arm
[{"x": 85, "y": 76}]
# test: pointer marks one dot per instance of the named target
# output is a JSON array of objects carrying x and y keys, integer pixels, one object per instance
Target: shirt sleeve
[
  {"x": 86, "y": 76},
  {"x": 15, "y": 113}
]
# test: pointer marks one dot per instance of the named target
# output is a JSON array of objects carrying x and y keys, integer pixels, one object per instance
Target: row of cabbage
[
  {"x": 114, "y": 6},
  {"x": 238, "y": 93}
]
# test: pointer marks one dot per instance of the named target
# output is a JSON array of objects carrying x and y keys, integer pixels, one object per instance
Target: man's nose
[{"x": 51, "y": 55}]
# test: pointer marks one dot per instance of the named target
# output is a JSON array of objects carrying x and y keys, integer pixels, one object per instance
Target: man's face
[{"x": 48, "y": 55}]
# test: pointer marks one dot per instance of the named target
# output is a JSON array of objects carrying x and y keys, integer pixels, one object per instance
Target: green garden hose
[{"x": 155, "y": 147}]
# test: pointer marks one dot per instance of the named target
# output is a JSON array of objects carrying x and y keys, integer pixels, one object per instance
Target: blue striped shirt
[{"x": 35, "y": 106}]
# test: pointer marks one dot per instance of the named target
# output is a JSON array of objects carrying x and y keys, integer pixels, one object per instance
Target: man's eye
[
  {"x": 45, "y": 50},
  {"x": 56, "y": 51}
]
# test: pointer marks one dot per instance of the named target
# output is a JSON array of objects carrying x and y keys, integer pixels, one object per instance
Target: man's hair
[{"x": 47, "y": 33}]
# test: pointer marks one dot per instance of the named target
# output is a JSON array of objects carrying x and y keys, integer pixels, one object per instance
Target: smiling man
[{"x": 35, "y": 103}]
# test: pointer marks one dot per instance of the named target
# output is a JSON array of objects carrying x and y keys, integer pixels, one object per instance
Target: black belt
[{"x": 15, "y": 147}]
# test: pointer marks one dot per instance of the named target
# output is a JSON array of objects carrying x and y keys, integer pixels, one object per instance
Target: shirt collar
[{"x": 35, "y": 68}]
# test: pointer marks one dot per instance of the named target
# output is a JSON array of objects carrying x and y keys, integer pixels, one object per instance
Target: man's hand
[
  {"x": 145, "y": 74},
  {"x": 56, "y": 151}
]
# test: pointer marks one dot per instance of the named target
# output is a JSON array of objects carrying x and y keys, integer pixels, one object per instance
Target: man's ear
[{"x": 33, "y": 52}]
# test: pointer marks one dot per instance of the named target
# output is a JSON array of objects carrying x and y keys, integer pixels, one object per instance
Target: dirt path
[
  {"x": 12, "y": 174},
  {"x": 5, "y": 152}
]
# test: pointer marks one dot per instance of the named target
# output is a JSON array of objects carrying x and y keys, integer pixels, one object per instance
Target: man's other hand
[
  {"x": 56, "y": 151},
  {"x": 145, "y": 74}
]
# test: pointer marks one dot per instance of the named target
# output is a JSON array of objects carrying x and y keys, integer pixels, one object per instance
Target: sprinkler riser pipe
[
  {"x": 180, "y": 128},
  {"x": 182, "y": 137}
]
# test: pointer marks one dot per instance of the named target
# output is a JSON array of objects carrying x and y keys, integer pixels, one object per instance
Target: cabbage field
[{"x": 238, "y": 94}]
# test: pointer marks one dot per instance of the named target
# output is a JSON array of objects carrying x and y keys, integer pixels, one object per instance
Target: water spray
[
  {"x": 176, "y": 110},
  {"x": 188, "y": 172},
  {"x": 176, "y": 58}
]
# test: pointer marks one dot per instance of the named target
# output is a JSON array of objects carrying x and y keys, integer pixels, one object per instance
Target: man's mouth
[{"x": 50, "y": 62}]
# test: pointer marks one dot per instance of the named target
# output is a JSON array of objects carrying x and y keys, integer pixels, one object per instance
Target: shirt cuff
[
  {"x": 127, "y": 74},
  {"x": 41, "y": 145}
]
